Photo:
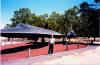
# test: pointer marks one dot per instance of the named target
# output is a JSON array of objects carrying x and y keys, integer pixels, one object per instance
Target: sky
[{"x": 38, "y": 7}]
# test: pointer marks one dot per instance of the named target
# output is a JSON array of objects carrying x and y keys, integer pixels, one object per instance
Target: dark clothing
[{"x": 50, "y": 49}]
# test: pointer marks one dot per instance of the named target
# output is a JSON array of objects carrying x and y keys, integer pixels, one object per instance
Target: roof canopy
[{"x": 28, "y": 29}]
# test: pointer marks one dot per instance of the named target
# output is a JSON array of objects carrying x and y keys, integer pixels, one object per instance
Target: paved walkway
[{"x": 31, "y": 60}]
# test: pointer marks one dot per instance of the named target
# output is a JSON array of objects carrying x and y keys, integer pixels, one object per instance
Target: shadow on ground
[{"x": 36, "y": 45}]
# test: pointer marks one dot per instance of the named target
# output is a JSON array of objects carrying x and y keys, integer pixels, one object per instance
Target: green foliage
[
  {"x": 21, "y": 16},
  {"x": 90, "y": 19},
  {"x": 71, "y": 18},
  {"x": 82, "y": 20},
  {"x": 54, "y": 21}
]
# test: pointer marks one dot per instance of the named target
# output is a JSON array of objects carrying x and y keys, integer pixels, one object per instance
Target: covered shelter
[{"x": 27, "y": 31}]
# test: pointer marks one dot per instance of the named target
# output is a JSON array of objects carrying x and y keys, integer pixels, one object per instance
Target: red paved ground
[{"x": 35, "y": 52}]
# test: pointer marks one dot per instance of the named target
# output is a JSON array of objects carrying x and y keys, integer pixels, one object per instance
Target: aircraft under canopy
[{"x": 27, "y": 31}]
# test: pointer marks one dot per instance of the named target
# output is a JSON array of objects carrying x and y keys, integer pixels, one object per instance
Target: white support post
[
  {"x": 5, "y": 42},
  {"x": 28, "y": 52}
]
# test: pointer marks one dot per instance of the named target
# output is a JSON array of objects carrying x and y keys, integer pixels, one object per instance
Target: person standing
[{"x": 51, "y": 42}]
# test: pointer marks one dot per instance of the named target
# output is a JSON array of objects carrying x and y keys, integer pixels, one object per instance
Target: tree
[
  {"x": 84, "y": 18},
  {"x": 90, "y": 21},
  {"x": 32, "y": 20},
  {"x": 71, "y": 18},
  {"x": 55, "y": 22},
  {"x": 97, "y": 1},
  {"x": 8, "y": 25},
  {"x": 21, "y": 16},
  {"x": 52, "y": 21}
]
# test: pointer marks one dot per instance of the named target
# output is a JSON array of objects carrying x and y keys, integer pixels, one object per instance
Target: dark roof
[{"x": 25, "y": 28}]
